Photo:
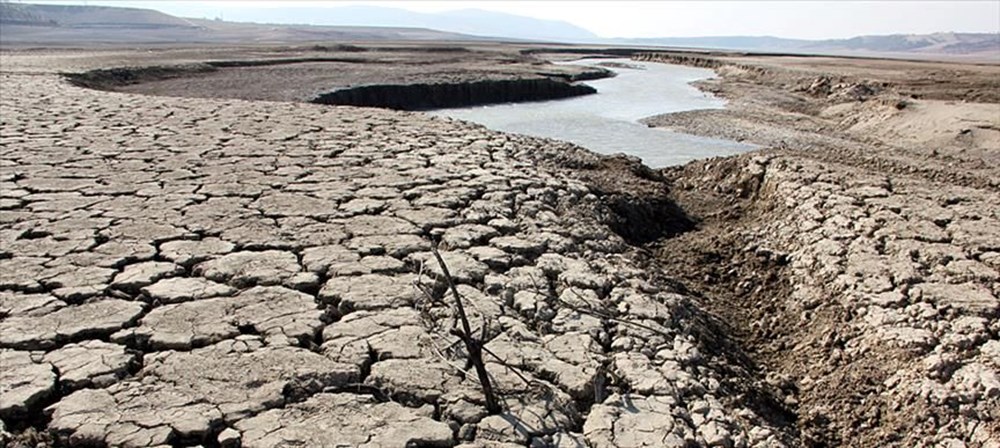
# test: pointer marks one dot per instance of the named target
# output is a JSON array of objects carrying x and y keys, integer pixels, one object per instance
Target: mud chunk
[
  {"x": 343, "y": 419},
  {"x": 462, "y": 267},
  {"x": 366, "y": 225},
  {"x": 320, "y": 259},
  {"x": 244, "y": 269},
  {"x": 287, "y": 204},
  {"x": 138, "y": 275},
  {"x": 371, "y": 292},
  {"x": 398, "y": 246},
  {"x": 184, "y": 395},
  {"x": 414, "y": 381},
  {"x": 527, "y": 418},
  {"x": 18, "y": 304},
  {"x": 272, "y": 311},
  {"x": 144, "y": 231},
  {"x": 90, "y": 364},
  {"x": 386, "y": 334},
  {"x": 23, "y": 382},
  {"x": 467, "y": 235},
  {"x": 92, "y": 319},
  {"x": 187, "y": 253},
  {"x": 516, "y": 245},
  {"x": 636, "y": 421},
  {"x": 967, "y": 298},
  {"x": 183, "y": 289}
]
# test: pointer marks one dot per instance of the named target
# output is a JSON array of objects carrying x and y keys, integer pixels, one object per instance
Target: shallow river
[{"x": 607, "y": 122}]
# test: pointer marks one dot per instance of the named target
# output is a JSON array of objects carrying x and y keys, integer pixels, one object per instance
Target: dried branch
[{"x": 473, "y": 346}]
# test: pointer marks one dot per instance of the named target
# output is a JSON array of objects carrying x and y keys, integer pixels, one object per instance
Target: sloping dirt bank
[{"x": 859, "y": 260}]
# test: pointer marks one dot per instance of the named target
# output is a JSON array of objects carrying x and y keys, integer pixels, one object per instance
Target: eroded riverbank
[{"x": 859, "y": 263}]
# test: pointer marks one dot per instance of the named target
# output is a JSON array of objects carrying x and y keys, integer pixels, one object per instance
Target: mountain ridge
[
  {"x": 945, "y": 43},
  {"x": 27, "y": 23}
]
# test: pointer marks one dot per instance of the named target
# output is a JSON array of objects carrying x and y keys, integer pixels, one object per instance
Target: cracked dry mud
[
  {"x": 185, "y": 272},
  {"x": 196, "y": 271}
]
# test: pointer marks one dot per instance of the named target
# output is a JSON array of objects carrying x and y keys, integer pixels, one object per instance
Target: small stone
[{"x": 230, "y": 438}]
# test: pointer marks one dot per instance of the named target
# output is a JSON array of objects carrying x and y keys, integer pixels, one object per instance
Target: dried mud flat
[{"x": 221, "y": 272}]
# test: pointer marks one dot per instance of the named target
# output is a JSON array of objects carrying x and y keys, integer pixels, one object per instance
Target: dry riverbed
[{"x": 235, "y": 272}]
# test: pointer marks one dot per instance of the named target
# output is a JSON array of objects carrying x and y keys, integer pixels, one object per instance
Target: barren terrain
[
  {"x": 231, "y": 270},
  {"x": 858, "y": 258}
]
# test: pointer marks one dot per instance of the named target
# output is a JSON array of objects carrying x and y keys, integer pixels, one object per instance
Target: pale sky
[{"x": 788, "y": 18}]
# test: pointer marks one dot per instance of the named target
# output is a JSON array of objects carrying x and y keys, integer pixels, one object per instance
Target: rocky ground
[
  {"x": 223, "y": 272},
  {"x": 182, "y": 272}
]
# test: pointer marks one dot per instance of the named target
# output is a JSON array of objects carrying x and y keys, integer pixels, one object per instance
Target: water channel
[{"x": 608, "y": 122}]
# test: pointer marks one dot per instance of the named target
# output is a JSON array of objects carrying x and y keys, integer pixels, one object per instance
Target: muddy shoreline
[{"x": 257, "y": 264}]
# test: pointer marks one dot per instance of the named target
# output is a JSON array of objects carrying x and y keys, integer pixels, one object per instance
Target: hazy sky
[{"x": 793, "y": 19}]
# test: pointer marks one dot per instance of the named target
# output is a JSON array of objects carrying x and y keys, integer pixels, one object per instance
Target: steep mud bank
[
  {"x": 875, "y": 326},
  {"x": 693, "y": 60},
  {"x": 856, "y": 262},
  {"x": 387, "y": 78},
  {"x": 442, "y": 95}
]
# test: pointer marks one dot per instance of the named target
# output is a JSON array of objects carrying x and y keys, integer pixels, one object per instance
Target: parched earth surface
[
  {"x": 859, "y": 264},
  {"x": 181, "y": 272},
  {"x": 220, "y": 272}
]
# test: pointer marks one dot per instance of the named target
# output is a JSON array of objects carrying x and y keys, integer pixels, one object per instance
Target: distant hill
[
  {"x": 949, "y": 43},
  {"x": 54, "y": 25},
  {"x": 983, "y": 45},
  {"x": 466, "y": 21},
  {"x": 87, "y": 16},
  {"x": 30, "y": 24}
]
